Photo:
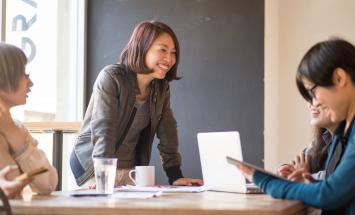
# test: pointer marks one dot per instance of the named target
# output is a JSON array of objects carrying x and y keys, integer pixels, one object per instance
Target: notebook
[{"x": 218, "y": 174}]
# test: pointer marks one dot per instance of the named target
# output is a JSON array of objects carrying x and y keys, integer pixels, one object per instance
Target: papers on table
[
  {"x": 137, "y": 192},
  {"x": 136, "y": 195},
  {"x": 117, "y": 194},
  {"x": 164, "y": 188}
]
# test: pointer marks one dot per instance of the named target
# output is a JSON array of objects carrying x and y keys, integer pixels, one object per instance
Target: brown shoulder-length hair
[
  {"x": 143, "y": 36},
  {"x": 319, "y": 150},
  {"x": 12, "y": 67}
]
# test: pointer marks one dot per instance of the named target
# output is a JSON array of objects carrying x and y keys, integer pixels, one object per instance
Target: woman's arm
[
  {"x": 31, "y": 158},
  {"x": 169, "y": 143},
  {"x": 103, "y": 118},
  {"x": 337, "y": 190},
  {"x": 23, "y": 150},
  {"x": 169, "y": 146}
]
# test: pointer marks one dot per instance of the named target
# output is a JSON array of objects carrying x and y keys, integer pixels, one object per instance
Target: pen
[{"x": 88, "y": 194}]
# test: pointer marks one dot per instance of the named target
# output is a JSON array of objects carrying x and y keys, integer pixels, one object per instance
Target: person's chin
[
  {"x": 336, "y": 117},
  {"x": 24, "y": 101},
  {"x": 314, "y": 122},
  {"x": 160, "y": 76}
]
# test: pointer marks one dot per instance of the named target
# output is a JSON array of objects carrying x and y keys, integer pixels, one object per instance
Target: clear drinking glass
[{"x": 105, "y": 174}]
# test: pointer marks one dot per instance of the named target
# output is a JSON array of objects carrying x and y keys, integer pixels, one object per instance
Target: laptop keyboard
[{"x": 252, "y": 188}]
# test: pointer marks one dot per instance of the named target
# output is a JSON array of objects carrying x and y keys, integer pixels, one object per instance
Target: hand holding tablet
[{"x": 241, "y": 164}]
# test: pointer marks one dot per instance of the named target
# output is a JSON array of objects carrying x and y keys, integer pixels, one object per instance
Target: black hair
[{"x": 321, "y": 60}]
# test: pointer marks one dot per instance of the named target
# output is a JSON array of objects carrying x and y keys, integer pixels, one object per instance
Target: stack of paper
[
  {"x": 117, "y": 194},
  {"x": 164, "y": 188},
  {"x": 136, "y": 195}
]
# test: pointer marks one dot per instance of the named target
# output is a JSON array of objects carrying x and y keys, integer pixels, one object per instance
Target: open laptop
[{"x": 217, "y": 174}]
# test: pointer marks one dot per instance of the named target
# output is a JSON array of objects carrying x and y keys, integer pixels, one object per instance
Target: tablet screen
[{"x": 236, "y": 162}]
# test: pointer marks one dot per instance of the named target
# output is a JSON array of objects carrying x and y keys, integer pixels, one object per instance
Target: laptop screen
[{"x": 217, "y": 173}]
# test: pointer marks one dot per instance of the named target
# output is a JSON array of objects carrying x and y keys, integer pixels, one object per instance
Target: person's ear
[{"x": 340, "y": 77}]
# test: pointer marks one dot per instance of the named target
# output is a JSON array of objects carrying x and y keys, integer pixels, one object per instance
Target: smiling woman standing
[
  {"x": 130, "y": 103},
  {"x": 326, "y": 78}
]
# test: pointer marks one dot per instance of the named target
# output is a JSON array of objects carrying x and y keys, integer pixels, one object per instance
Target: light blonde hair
[{"x": 12, "y": 67}]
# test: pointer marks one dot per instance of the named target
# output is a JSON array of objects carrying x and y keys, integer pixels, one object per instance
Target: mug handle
[{"x": 130, "y": 176}]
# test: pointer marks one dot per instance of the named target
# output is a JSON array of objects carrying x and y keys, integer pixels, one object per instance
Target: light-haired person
[{"x": 17, "y": 146}]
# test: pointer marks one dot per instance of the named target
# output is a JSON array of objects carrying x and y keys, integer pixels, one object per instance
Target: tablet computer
[{"x": 234, "y": 161}]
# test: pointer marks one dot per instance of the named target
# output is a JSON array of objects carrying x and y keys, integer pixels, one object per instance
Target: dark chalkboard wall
[{"x": 222, "y": 61}]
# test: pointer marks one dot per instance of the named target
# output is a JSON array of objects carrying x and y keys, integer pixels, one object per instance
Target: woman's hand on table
[{"x": 188, "y": 182}]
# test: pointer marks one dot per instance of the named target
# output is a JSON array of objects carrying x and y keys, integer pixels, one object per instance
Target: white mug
[{"x": 144, "y": 175}]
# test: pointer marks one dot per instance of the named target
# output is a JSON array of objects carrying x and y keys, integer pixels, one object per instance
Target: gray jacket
[{"x": 109, "y": 116}]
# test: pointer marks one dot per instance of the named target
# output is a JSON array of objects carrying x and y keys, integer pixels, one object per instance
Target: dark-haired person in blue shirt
[
  {"x": 325, "y": 77},
  {"x": 311, "y": 160}
]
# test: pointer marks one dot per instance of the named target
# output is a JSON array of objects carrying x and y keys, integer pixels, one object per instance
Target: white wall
[{"x": 291, "y": 28}]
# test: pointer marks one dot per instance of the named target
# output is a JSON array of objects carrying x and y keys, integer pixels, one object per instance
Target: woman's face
[
  {"x": 161, "y": 56},
  {"x": 19, "y": 96},
  {"x": 328, "y": 99},
  {"x": 320, "y": 116}
]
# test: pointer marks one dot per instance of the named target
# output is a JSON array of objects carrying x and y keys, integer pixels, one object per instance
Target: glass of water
[{"x": 105, "y": 174}]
